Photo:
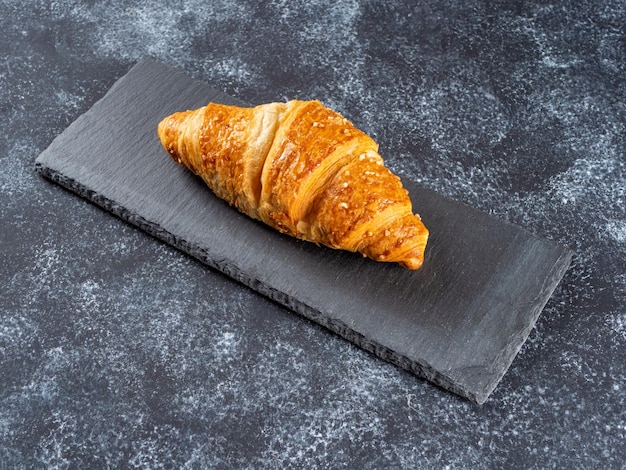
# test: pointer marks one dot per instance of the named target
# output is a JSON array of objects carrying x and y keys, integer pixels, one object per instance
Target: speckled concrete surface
[{"x": 118, "y": 351}]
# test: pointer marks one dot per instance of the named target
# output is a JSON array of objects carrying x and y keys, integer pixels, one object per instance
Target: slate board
[{"x": 458, "y": 322}]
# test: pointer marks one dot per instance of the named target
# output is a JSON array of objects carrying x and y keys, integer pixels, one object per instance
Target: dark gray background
[{"x": 117, "y": 350}]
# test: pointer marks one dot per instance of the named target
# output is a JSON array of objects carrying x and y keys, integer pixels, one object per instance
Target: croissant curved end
[
  {"x": 410, "y": 255},
  {"x": 169, "y": 130},
  {"x": 415, "y": 262},
  {"x": 412, "y": 264}
]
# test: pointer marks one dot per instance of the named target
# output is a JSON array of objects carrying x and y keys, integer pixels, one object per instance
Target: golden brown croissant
[{"x": 303, "y": 169}]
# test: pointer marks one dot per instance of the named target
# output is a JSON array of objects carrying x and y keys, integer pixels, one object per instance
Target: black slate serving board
[{"x": 459, "y": 321}]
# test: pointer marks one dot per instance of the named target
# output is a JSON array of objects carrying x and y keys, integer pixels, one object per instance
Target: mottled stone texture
[{"x": 117, "y": 350}]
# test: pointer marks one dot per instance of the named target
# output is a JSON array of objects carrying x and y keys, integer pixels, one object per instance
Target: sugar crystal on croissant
[{"x": 303, "y": 169}]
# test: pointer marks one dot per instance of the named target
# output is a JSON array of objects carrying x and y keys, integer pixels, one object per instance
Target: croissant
[{"x": 303, "y": 169}]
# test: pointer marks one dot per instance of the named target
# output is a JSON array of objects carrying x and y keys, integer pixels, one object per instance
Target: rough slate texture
[
  {"x": 515, "y": 109},
  {"x": 458, "y": 322}
]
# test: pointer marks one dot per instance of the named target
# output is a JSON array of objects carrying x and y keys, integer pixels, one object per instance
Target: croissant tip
[
  {"x": 413, "y": 264},
  {"x": 161, "y": 128}
]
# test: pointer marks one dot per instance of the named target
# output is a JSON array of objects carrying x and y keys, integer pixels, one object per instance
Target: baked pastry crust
[{"x": 303, "y": 169}]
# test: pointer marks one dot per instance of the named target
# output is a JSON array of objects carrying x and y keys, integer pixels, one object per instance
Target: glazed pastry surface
[{"x": 303, "y": 169}]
